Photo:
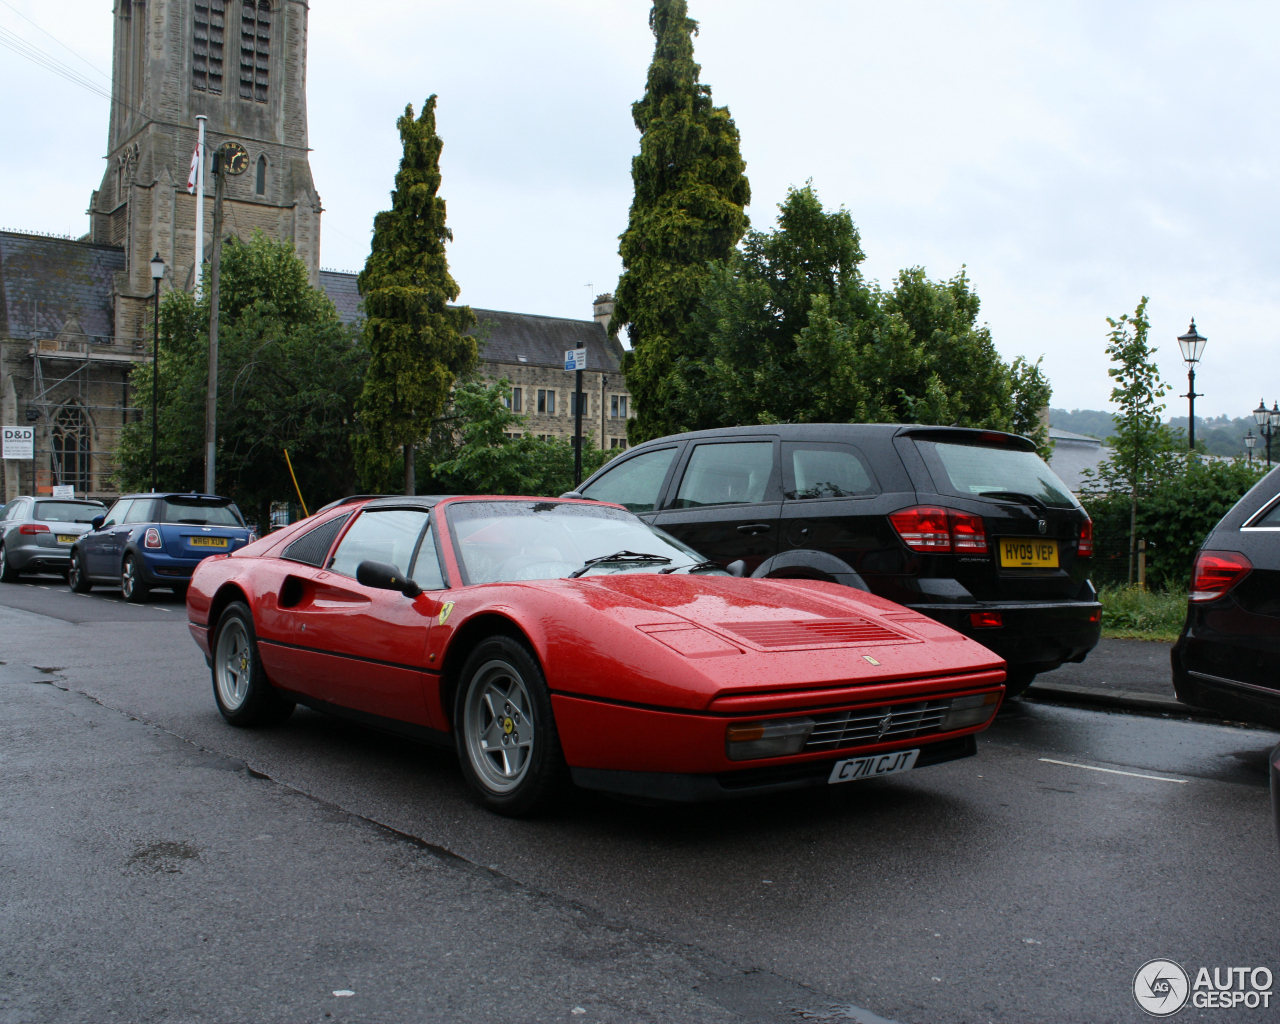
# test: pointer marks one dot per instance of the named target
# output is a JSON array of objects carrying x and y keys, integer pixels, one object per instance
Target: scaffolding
[{"x": 78, "y": 432}]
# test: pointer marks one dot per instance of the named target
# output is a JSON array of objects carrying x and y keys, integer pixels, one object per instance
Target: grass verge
[{"x": 1132, "y": 614}]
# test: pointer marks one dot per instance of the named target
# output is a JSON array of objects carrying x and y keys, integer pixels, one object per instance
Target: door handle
[{"x": 754, "y": 528}]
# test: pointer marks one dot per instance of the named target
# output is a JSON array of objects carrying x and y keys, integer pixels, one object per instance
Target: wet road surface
[{"x": 1006, "y": 887}]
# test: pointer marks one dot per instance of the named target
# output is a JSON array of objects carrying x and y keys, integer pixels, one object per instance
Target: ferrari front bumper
[{"x": 688, "y": 788}]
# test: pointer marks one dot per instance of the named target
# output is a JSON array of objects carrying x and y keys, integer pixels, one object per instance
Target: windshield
[
  {"x": 194, "y": 513},
  {"x": 503, "y": 541},
  {"x": 66, "y": 512},
  {"x": 973, "y": 471}
]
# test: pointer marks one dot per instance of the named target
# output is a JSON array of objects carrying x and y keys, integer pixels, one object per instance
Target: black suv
[
  {"x": 1226, "y": 658},
  {"x": 970, "y": 527}
]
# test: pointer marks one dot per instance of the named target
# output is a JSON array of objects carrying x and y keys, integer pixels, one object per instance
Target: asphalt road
[{"x": 158, "y": 865}]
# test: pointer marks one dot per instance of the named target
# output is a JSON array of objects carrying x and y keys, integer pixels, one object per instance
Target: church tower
[{"x": 242, "y": 64}]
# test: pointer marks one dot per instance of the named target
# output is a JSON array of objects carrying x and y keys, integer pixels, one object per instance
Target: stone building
[
  {"x": 75, "y": 314},
  {"x": 528, "y": 351}
]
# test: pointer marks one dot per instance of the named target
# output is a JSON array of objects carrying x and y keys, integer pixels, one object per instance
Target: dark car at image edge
[
  {"x": 970, "y": 527},
  {"x": 1226, "y": 658}
]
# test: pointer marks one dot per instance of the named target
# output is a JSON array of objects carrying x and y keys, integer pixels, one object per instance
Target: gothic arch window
[
  {"x": 207, "y": 45},
  {"x": 255, "y": 49},
  {"x": 71, "y": 447},
  {"x": 260, "y": 178}
]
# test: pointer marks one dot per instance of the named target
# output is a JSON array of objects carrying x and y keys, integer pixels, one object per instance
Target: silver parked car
[{"x": 36, "y": 534}]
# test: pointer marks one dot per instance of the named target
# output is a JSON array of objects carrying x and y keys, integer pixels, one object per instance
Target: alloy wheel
[
  {"x": 498, "y": 726},
  {"x": 233, "y": 665}
]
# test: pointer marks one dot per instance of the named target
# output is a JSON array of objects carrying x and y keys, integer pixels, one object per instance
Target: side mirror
[
  {"x": 382, "y": 576},
  {"x": 97, "y": 521},
  {"x": 737, "y": 568},
  {"x": 573, "y": 494}
]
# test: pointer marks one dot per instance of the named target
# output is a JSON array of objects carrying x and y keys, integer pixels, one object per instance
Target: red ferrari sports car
[{"x": 550, "y": 641}]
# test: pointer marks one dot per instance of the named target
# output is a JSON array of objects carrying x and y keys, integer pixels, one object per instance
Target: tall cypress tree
[
  {"x": 416, "y": 343},
  {"x": 690, "y": 190}
]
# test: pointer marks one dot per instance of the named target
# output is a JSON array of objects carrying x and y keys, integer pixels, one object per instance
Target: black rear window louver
[{"x": 312, "y": 546}]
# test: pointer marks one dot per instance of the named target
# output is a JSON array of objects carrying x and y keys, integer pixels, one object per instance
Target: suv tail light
[
  {"x": 1085, "y": 548},
  {"x": 153, "y": 538},
  {"x": 1216, "y": 572},
  {"x": 940, "y": 530},
  {"x": 33, "y": 528}
]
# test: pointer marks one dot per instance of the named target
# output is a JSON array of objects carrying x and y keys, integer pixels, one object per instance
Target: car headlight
[
  {"x": 967, "y": 711},
  {"x": 746, "y": 741}
]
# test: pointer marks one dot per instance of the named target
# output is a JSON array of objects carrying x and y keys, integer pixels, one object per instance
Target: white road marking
[{"x": 1114, "y": 771}]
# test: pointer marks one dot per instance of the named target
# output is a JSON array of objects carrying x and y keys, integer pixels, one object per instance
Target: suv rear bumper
[{"x": 1031, "y": 633}]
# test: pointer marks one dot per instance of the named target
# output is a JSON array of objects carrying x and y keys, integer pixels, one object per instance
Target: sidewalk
[{"x": 1132, "y": 674}]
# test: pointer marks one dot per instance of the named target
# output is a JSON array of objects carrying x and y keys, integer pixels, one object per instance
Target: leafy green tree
[
  {"x": 1143, "y": 448},
  {"x": 481, "y": 456},
  {"x": 288, "y": 376},
  {"x": 690, "y": 191},
  {"x": 416, "y": 340},
  {"x": 794, "y": 334}
]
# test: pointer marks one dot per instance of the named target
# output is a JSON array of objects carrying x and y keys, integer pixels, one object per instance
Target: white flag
[{"x": 193, "y": 177}]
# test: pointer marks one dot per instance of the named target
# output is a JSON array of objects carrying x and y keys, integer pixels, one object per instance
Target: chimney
[{"x": 603, "y": 309}]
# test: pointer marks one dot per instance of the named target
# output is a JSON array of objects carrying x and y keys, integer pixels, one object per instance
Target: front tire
[
  {"x": 8, "y": 573},
  {"x": 77, "y": 578},
  {"x": 506, "y": 732},
  {"x": 244, "y": 695},
  {"x": 132, "y": 585}
]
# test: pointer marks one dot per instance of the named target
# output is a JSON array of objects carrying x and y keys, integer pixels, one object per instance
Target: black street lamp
[
  {"x": 1268, "y": 421},
  {"x": 1192, "y": 345},
  {"x": 1250, "y": 440},
  {"x": 157, "y": 272}
]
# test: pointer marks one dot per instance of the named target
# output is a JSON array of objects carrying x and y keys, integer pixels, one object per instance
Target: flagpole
[{"x": 199, "y": 272}]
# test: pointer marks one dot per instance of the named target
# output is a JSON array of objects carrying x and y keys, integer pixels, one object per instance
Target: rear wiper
[
  {"x": 1018, "y": 496},
  {"x": 617, "y": 556},
  {"x": 691, "y": 568}
]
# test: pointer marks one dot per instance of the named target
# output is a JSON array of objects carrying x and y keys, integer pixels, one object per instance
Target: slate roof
[
  {"x": 505, "y": 337},
  {"x": 1074, "y": 453},
  {"x": 341, "y": 288},
  {"x": 47, "y": 282}
]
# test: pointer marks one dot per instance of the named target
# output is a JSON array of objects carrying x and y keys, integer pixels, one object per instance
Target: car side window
[
  {"x": 380, "y": 535},
  {"x": 426, "y": 566},
  {"x": 735, "y": 473},
  {"x": 826, "y": 471},
  {"x": 118, "y": 511},
  {"x": 636, "y": 483},
  {"x": 312, "y": 546},
  {"x": 141, "y": 512},
  {"x": 7, "y": 510}
]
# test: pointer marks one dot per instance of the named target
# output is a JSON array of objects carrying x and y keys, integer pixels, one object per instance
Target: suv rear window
[
  {"x": 196, "y": 513},
  {"x": 66, "y": 512},
  {"x": 976, "y": 471}
]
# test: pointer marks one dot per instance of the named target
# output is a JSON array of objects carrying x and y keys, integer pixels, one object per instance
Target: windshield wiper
[
  {"x": 691, "y": 568},
  {"x": 1018, "y": 496},
  {"x": 617, "y": 556}
]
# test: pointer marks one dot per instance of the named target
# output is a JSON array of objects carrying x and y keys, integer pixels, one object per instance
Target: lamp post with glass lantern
[
  {"x": 1250, "y": 439},
  {"x": 1268, "y": 421},
  {"x": 157, "y": 272},
  {"x": 1192, "y": 345}
]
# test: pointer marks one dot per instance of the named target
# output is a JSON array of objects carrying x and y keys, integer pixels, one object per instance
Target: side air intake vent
[{"x": 312, "y": 546}]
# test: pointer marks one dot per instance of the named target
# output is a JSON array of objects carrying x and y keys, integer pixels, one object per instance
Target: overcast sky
[{"x": 1074, "y": 156}]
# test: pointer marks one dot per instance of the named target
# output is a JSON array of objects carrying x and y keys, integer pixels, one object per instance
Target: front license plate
[
  {"x": 871, "y": 767},
  {"x": 1020, "y": 553},
  {"x": 210, "y": 542},
  {"x": 66, "y": 538}
]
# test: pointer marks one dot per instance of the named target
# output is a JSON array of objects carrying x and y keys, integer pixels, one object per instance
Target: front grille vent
[
  {"x": 861, "y": 726},
  {"x": 778, "y": 636}
]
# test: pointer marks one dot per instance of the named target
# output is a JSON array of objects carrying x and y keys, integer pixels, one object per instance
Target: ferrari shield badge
[{"x": 445, "y": 610}]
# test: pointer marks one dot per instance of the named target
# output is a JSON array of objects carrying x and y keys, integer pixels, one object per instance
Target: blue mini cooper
[{"x": 155, "y": 540}]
